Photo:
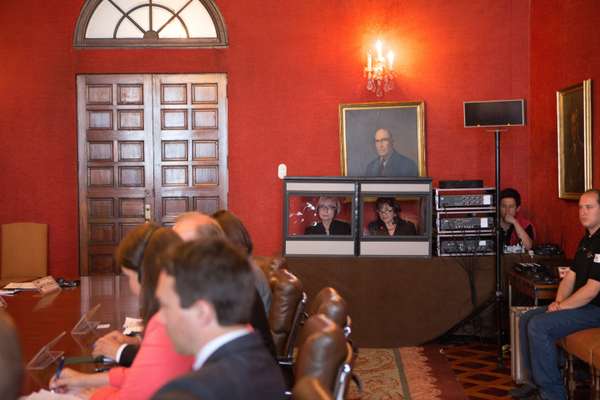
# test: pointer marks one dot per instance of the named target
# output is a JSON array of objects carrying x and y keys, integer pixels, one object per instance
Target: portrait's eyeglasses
[
  {"x": 323, "y": 207},
  {"x": 385, "y": 210}
]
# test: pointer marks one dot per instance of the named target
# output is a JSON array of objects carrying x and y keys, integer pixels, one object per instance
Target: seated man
[
  {"x": 515, "y": 230},
  {"x": 577, "y": 307},
  {"x": 205, "y": 294},
  {"x": 10, "y": 359}
]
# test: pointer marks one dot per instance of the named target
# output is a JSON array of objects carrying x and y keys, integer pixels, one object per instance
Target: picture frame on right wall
[{"x": 574, "y": 128}]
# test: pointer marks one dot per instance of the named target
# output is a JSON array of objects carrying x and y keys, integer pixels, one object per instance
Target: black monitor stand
[{"x": 499, "y": 295}]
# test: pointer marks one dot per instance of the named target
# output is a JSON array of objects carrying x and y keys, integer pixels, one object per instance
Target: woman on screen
[
  {"x": 328, "y": 208},
  {"x": 156, "y": 362},
  {"x": 389, "y": 222}
]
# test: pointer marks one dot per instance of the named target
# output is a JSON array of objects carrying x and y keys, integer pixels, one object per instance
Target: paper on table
[
  {"x": 133, "y": 325},
  {"x": 46, "y": 284},
  {"x": 47, "y": 395},
  {"x": 21, "y": 285}
]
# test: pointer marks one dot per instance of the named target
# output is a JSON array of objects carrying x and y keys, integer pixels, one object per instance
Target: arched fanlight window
[{"x": 150, "y": 23}]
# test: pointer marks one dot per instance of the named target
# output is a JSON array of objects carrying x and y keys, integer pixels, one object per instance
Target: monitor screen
[
  {"x": 357, "y": 216},
  {"x": 321, "y": 216},
  {"x": 394, "y": 216}
]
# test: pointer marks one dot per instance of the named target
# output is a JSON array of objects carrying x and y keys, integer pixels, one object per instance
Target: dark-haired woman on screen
[{"x": 389, "y": 222}]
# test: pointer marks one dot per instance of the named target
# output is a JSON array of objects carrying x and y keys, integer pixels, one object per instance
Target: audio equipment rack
[{"x": 465, "y": 221}]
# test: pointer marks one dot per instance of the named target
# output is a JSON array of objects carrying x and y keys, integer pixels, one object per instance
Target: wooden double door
[{"x": 150, "y": 147}]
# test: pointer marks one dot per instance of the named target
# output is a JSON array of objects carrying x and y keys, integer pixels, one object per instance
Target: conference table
[{"x": 40, "y": 319}]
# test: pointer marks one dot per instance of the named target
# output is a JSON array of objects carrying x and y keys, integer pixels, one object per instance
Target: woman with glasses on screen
[
  {"x": 388, "y": 222},
  {"x": 328, "y": 208}
]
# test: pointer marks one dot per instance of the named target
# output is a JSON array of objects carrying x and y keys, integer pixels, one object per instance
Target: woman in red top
[{"x": 156, "y": 362}]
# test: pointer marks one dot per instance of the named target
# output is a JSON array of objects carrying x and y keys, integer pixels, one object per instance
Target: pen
[{"x": 61, "y": 364}]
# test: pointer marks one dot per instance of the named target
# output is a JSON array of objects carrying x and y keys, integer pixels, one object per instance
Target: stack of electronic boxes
[{"x": 464, "y": 221}]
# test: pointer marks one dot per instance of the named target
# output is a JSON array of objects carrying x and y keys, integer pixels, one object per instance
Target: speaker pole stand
[{"x": 499, "y": 295}]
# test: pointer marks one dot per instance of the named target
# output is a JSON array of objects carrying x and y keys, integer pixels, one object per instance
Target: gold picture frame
[
  {"x": 574, "y": 128},
  {"x": 405, "y": 122}
]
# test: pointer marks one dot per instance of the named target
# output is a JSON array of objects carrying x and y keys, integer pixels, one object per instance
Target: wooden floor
[{"x": 475, "y": 365}]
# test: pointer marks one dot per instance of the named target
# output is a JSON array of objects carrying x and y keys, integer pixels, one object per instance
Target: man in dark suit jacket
[
  {"x": 205, "y": 294},
  {"x": 389, "y": 162}
]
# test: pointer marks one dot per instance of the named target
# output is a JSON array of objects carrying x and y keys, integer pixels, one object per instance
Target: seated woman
[
  {"x": 239, "y": 236},
  {"x": 388, "y": 221},
  {"x": 237, "y": 233},
  {"x": 156, "y": 362},
  {"x": 328, "y": 208}
]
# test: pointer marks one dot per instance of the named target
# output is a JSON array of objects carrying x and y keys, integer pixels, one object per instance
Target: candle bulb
[
  {"x": 391, "y": 59},
  {"x": 379, "y": 47}
]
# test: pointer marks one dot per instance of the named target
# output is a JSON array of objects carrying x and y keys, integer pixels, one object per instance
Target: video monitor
[
  {"x": 319, "y": 217},
  {"x": 395, "y": 218},
  {"x": 357, "y": 216}
]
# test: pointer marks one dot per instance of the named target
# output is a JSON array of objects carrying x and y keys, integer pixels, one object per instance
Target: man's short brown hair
[{"x": 215, "y": 271}]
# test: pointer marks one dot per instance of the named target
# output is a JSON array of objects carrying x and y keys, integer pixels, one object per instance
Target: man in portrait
[{"x": 389, "y": 162}]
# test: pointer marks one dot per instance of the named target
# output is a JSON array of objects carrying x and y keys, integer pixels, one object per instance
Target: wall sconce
[{"x": 379, "y": 70}]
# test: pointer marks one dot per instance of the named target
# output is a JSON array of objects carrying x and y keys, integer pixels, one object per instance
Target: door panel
[
  {"x": 149, "y": 147},
  {"x": 115, "y": 163},
  {"x": 190, "y": 144}
]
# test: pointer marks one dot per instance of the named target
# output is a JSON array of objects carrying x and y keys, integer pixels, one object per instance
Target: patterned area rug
[{"x": 407, "y": 373}]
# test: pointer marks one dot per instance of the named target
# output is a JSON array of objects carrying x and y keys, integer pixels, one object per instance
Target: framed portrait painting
[
  {"x": 383, "y": 139},
  {"x": 574, "y": 127}
]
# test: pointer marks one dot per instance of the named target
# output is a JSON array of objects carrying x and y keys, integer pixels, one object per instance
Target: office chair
[
  {"x": 310, "y": 388},
  {"x": 287, "y": 310},
  {"x": 24, "y": 251},
  {"x": 326, "y": 356},
  {"x": 329, "y": 302}
]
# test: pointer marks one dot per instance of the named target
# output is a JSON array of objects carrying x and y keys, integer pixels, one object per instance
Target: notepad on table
[
  {"x": 44, "y": 394},
  {"x": 21, "y": 286}
]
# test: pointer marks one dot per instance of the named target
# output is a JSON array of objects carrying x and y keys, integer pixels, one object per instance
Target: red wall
[
  {"x": 289, "y": 67},
  {"x": 564, "y": 51}
]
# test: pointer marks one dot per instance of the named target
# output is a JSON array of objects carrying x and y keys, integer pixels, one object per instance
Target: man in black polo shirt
[{"x": 577, "y": 307}]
